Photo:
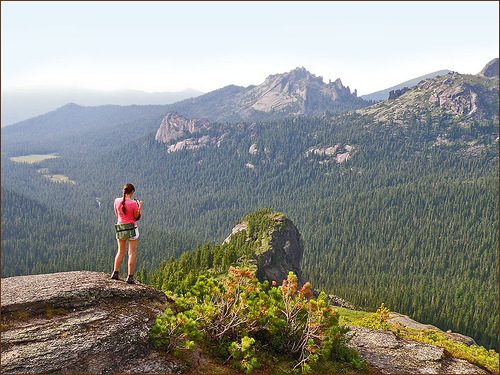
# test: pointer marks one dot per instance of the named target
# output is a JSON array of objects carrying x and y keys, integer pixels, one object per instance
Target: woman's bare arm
[{"x": 138, "y": 213}]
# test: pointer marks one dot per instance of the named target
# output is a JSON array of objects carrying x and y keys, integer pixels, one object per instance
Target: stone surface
[
  {"x": 282, "y": 254},
  {"x": 410, "y": 323},
  {"x": 341, "y": 158},
  {"x": 337, "y": 301},
  {"x": 253, "y": 149},
  {"x": 406, "y": 321},
  {"x": 297, "y": 92},
  {"x": 392, "y": 355},
  {"x": 462, "y": 96},
  {"x": 490, "y": 69},
  {"x": 191, "y": 144},
  {"x": 324, "y": 151},
  {"x": 393, "y": 94},
  {"x": 79, "y": 322},
  {"x": 331, "y": 153},
  {"x": 175, "y": 126}
]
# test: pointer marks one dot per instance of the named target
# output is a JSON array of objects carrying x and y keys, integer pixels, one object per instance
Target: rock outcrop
[
  {"x": 79, "y": 322},
  {"x": 490, "y": 69},
  {"x": 175, "y": 126},
  {"x": 180, "y": 133},
  {"x": 464, "y": 97},
  {"x": 462, "y": 100},
  {"x": 278, "y": 249},
  {"x": 193, "y": 144},
  {"x": 392, "y": 355},
  {"x": 331, "y": 153},
  {"x": 393, "y": 94},
  {"x": 253, "y": 150}
]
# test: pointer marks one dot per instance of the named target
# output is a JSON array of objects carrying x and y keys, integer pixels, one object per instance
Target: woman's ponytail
[
  {"x": 127, "y": 189},
  {"x": 123, "y": 202}
]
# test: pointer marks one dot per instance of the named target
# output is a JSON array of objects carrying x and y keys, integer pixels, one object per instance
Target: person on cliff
[{"x": 128, "y": 211}]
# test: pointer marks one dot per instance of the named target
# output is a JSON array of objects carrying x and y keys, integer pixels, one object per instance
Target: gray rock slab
[
  {"x": 392, "y": 355},
  {"x": 79, "y": 322}
]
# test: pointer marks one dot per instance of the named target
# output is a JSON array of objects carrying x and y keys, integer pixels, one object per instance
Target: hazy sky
[{"x": 170, "y": 46}]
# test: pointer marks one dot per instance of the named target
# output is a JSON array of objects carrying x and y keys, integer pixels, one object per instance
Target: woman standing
[{"x": 128, "y": 211}]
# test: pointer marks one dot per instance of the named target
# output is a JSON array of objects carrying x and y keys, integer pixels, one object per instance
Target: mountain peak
[
  {"x": 301, "y": 72},
  {"x": 297, "y": 74},
  {"x": 299, "y": 92},
  {"x": 293, "y": 93}
]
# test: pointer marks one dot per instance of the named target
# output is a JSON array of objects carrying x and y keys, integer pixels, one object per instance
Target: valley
[{"x": 396, "y": 201}]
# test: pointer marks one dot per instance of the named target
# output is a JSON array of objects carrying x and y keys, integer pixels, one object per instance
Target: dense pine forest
[{"x": 406, "y": 220}]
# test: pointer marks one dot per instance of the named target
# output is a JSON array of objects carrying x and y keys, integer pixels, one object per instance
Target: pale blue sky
[{"x": 169, "y": 46}]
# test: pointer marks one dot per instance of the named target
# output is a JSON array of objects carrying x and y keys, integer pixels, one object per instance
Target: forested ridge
[{"x": 406, "y": 220}]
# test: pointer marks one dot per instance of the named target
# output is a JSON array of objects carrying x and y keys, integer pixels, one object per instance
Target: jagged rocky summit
[
  {"x": 79, "y": 322},
  {"x": 293, "y": 93},
  {"x": 298, "y": 92}
]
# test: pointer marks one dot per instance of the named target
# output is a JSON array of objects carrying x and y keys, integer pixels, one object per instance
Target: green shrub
[
  {"x": 244, "y": 353},
  {"x": 234, "y": 315}
]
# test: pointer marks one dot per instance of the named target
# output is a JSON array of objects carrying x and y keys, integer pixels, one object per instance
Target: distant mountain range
[
  {"x": 294, "y": 93},
  {"x": 297, "y": 92},
  {"x": 19, "y": 105}
]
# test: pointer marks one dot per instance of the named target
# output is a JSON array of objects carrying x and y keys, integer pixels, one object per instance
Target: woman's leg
[
  {"x": 132, "y": 249},
  {"x": 119, "y": 254}
]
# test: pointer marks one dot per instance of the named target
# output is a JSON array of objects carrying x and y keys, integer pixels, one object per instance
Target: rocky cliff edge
[{"x": 79, "y": 322}]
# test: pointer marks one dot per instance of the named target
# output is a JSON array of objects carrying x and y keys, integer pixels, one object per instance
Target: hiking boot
[
  {"x": 115, "y": 276},
  {"x": 130, "y": 279}
]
